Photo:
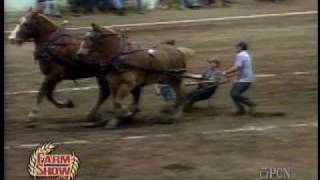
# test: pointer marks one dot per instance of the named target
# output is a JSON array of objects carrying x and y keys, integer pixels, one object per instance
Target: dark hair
[
  {"x": 217, "y": 62},
  {"x": 243, "y": 45}
]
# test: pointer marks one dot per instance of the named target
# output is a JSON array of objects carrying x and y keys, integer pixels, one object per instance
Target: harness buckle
[{"x": 151, "y": 52}]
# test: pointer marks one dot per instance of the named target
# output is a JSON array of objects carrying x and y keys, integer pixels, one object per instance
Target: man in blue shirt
[
  {"x": 205, "y": 90},
  {"x": 242, "y": 70}
]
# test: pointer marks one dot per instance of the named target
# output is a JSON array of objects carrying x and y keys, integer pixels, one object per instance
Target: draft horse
[
  {"x": 133, "y": 68},
  {"x": 55, "y": 51}
]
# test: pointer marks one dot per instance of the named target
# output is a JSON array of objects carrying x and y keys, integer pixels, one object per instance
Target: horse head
[
  {"x": 32, "y": 25},
  {"x": 100, "y": 40}
]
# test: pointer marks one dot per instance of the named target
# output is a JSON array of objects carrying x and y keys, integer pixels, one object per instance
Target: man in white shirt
[{"x": 242, "y": 70}]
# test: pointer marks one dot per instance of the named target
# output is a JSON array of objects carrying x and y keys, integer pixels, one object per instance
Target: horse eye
[{"x": 26, "y": 24}]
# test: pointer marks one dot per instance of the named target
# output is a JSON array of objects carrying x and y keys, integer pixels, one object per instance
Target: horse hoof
[
  {"x": 70, "y": 104},
  {"x": 134, "y": 109},
  {"x": 92, "y": 117},
  {"x": 96, "y": 124},
  {"x": 112, "y": 124},
  {"x": 166, "y": 111},
  {"x": 168, "y": 120},
  {"x": 31, "y": 123},
  {"x": 128, "y": 114},
  {"x": 32, "y": 117}
]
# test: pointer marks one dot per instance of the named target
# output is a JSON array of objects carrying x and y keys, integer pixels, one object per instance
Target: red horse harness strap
[{"x": 45, "y": 52}]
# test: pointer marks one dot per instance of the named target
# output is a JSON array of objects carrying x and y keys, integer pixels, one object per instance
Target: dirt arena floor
[{"x": 207, "y": 143}]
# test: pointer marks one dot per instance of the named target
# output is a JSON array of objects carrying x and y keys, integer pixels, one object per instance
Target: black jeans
[
  {"x": 199, "y": 94},
  {"x": 237, "y": 96}
]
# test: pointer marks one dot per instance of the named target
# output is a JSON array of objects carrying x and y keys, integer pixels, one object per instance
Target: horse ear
[
  {"x": 96, "y": 27},
  {"x": 34, "y": 14}
]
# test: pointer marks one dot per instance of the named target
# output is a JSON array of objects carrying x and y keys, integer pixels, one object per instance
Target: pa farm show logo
[{"x": 45, "y": 166}]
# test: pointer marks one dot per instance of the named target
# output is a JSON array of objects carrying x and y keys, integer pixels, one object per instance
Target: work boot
[{"x": 252, "y": 109}]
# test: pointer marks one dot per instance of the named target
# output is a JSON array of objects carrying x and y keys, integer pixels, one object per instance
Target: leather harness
[
  {"x": 44, "y": 52},
  {"x": 117, "y": 63}
]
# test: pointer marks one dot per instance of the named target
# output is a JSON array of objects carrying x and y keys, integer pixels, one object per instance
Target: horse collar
[{"x": 54, "y": 35}]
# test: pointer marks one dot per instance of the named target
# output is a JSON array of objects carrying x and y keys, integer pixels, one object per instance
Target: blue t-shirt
[
  {"x": 244, "y": 72},
  {"x": 211, "y": 74}
]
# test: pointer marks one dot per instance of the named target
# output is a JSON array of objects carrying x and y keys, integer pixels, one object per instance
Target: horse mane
[
  {"x": 110, "y": 30},
  {"x": 47, "y": 19}
]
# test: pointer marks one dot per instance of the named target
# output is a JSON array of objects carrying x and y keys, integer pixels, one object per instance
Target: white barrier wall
[
  {"x": 23, "y": 5},
  {"x": 18, "y": 5}
]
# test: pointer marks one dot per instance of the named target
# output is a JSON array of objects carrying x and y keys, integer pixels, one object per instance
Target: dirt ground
[{"x": 207, "y": 143}]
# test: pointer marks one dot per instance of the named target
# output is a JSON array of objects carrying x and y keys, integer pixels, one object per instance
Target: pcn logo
[
  {"x": 45, "y": 166},
  {"x": 275, "y": 173}
]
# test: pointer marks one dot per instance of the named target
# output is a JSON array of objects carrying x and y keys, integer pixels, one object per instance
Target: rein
[{"x": 118, "y": 61}]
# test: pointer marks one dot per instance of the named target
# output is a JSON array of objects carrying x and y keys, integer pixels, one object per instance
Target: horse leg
[
  {"x": 33, "y": 114},
  {"x": 179, "y": 89},
  {"x": 46, "y": 88},
  {"x": 104, "y": 93},
  {"x": 122, "y": 92},
  {"x": 115, "y": 89},
  {"x": 118, "y": 92},
  {"x": 50, "y": 84},
  {"x": 136, "y": 93}
]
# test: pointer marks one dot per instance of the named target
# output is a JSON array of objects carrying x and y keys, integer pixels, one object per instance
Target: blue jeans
[
  {"x": 139, "y": 5},
  {"x": 49, "y": 8},
  {"x": 90, "y": 3},
  {"x": 186, "y": 3},
  {"x": 115, "y": 4},
  {"x": 181, "y": 3},
  {"x": 199, "y": 94},
  {"x": 237, "y": 96}
]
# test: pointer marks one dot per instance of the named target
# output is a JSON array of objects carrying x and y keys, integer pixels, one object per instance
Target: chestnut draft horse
[
  {"x": 135, "y": 68},
  {"x": 56, "y": 54}
]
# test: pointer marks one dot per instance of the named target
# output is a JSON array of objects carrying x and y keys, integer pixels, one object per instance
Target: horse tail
[{"x": 187, "y": 52}]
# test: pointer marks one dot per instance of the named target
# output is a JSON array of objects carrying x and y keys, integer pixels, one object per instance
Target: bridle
[{"x": 51, "y": 36}]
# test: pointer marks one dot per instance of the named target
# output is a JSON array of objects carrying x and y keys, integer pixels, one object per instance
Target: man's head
[
  {"x": 214, "y": 62},
  {"x": 242, "y": 46}
]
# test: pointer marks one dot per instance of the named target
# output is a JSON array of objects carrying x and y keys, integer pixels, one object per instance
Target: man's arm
[
  {"x": 192, "y": 76},
  {"x": 208, "y": 82},
  {"x": 236, "y": 65},
  {"x": 231, "y": 71}
]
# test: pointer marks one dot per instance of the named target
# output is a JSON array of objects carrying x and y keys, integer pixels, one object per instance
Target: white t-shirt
[{"x": 243, "y": 62}]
